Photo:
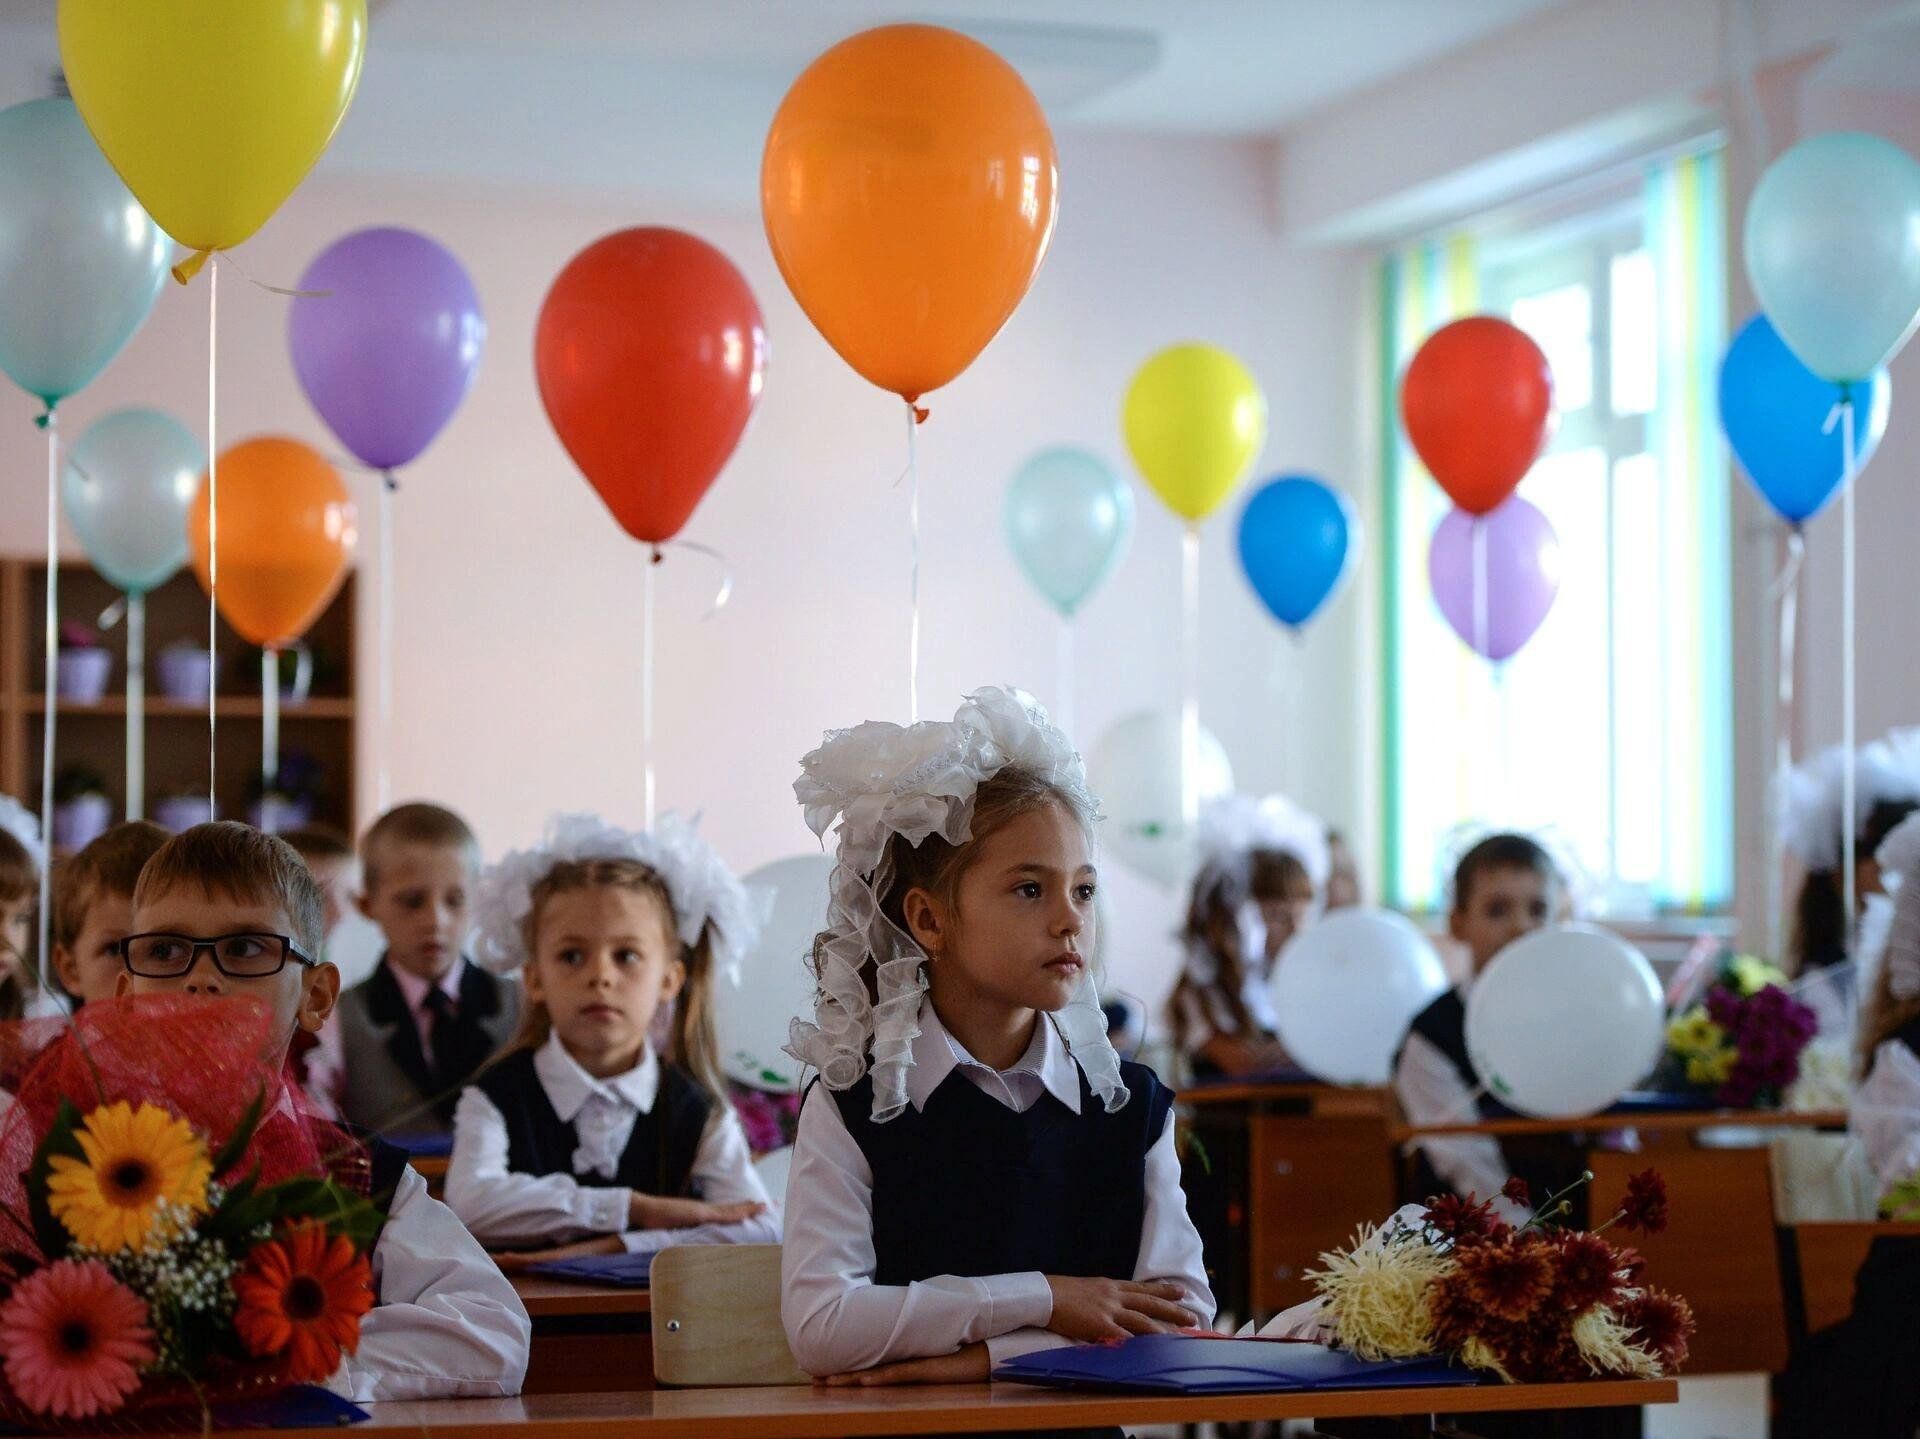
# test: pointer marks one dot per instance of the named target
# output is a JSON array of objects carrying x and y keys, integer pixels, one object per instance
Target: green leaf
[
  {"x": 340, "y": 1210},
  {"x": 241, "y": 1212},
  {"x": 61, "y": 1141},
  {"x": 237, "y": 1142}
]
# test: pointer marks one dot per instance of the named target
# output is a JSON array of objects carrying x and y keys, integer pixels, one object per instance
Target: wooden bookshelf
[{"x": 94, "y": 734}]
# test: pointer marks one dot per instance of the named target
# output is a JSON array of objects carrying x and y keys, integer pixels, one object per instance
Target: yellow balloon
[
  {"x": 1195, "y": 420},
  {"x": 212, "y": 110}
]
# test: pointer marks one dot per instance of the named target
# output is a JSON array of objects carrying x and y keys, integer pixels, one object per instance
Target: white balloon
[
  {"x": 1346, "y": 988},
  {"x": 1135, "y": 771},
  {"x": 750, "y": 1018},
  {"x": 1564, "y": 1021}
]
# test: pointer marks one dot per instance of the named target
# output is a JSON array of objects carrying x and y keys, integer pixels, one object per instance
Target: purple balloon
[
  {"x": 1522, "y": 575},
  {"x": 387, "y": 352}
]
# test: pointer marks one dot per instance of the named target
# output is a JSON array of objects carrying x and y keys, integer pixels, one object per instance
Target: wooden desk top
[
  {"x": 1657, "y": 1121},
  {"x": 807, "y": 1412},
  {"x": 431, "y": 1166},
  {"x": 548, "y": 1298}
]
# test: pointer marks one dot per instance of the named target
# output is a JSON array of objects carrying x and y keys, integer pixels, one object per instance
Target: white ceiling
[{"x": 677, "y": 94}]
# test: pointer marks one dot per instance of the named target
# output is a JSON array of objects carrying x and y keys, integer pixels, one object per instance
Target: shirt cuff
[
  {"x": 1003, "y": 1347},
  {"x": 607, "y": 1209},
  {"x": 1019, "y": 1301}
]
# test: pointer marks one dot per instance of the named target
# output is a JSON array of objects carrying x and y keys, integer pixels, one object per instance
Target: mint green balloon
[
  {"x": 1068, "y": 518},
  {"x": 1833, "y": 250},
  {"x": 80, "y": 262},
  {"x": 127, "y": 486}
]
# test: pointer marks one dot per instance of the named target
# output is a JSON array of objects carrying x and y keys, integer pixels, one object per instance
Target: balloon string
[
  {"x": 213, "y": 527},
  {"x": 269, "y": 732},
  {"x": 1786, "y": 590},
  {"x": 384, "y": 700},
  {"x": 49, "y": 719},
  {"x": 646, "y": 688},
  {"x": 913, "y": 581},
  {"x": 724, "y": 591},
  {"x": 1063, "y": 665},
  {"x": 1190, "y": 680},
  {"x": 227, "y": 258},
  {"x": 1848, "y": 716},
  {"x": 136, "y": 706}
]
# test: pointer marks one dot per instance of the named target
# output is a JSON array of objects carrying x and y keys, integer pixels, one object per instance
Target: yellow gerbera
[{"x": 137, "y": 1160}]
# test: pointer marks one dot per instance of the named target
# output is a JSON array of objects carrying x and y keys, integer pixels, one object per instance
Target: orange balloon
[
  {"x": 287, "y": 531},
  {"x": 909, "y": 192}
]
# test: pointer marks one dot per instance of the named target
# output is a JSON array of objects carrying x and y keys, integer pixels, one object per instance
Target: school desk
[
  {"x": 587, "y": 1338},
  {"x": 1317, "y": 1163},
  {"x": 1721, "y": 1250},
  {"x": 1822, "y": 1260},
  {"x": 807, "y": 1412}
]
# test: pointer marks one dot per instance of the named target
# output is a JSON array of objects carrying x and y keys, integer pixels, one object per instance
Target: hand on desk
[
  {"x": 966, "y": 1366},
  {"x": 513, "y": 1261},
  {"x": 651, "y": 1211},
  {"x": 1091, "y": 1310}
]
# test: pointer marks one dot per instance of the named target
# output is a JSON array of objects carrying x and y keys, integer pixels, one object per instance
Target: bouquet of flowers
[
  {"x": 1742, "y": 1040},
  {"x": 1534, "y": 1304},
  {"x": 156, "y": 1252}
]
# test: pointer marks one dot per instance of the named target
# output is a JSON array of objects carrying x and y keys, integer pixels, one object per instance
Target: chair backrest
[{"x": 716, "y": 1316}]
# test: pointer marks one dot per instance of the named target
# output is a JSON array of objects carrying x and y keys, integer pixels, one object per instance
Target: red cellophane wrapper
[{"x": 203, "y": 1060}]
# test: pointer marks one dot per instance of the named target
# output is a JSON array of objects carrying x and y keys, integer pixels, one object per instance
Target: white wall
[{"x": 518, "y": 651}]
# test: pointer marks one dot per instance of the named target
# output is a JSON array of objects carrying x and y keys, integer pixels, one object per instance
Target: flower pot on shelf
[
  {"x": 82, "y": 675},
  {"x": 183, "y": 670},
  {"x": 79, "y": 821},
  {"x": 182, "y": 811},
  {"x": 276, "y": 813}
]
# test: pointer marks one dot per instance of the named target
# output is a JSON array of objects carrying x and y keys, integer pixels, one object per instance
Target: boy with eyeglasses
[{"x": 226, "y": 912}]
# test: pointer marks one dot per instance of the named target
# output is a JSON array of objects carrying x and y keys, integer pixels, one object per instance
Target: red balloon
[
  {"x": 1478, "y": 405},
  {"x": 650, "y": 353}
]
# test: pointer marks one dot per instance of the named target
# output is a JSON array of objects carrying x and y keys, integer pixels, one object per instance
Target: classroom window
[{"x": 1612, "y": 730}]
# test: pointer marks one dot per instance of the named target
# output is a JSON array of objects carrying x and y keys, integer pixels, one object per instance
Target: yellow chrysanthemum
[
  {"x": 1377, "y": 1293},
  {"x": 137, "y": 1160},
  {"x": 1751, "y": 975}
]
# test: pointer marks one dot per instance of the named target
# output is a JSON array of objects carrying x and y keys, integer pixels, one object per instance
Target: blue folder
[
  {"x": 628, "y": 1271},
  {"x": 1190, "y": 1364},
  {"x": 422, "y": 1146},
  {"x": 305, "y": 1406}
]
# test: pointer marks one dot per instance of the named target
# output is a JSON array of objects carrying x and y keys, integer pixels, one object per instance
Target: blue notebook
[
  {"x": 628, "y": 1271},
  {"x": 1189, "y": 1364}
]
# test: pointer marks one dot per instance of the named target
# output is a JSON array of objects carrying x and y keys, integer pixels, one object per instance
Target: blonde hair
[
  {"x": 938, "y": 866},
  {"x": 692, "y": 1044}
]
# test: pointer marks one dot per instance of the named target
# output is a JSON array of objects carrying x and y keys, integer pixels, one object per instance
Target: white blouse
[
  {"x": 838, "y": 1320},
  {"x": 448, "y": 1324},
  {"x": 1886, "y": 1115},
  {"x": 503, "y": 1207}
]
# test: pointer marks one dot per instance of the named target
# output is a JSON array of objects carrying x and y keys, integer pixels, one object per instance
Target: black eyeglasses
[{"x": 237, "y": 956}]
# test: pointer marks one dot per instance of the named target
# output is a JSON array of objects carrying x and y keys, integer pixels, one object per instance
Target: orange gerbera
[{"x": 302, "y": 1296}]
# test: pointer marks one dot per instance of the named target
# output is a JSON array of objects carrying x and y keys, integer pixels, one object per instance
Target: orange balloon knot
[
  {"x": 920, "y": 413},
  {"x": 192, "y": 265}
]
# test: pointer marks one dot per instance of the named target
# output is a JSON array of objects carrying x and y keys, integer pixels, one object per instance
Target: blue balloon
[
  {"x": 1774, "y": 410},
  {"x": 80, "y": 262},
  {"x": 1297, "y": 537}
]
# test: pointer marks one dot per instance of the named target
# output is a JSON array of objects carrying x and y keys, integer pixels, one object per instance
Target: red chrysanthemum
[
  {"x": 302, "y": 1296},
  {"x": 1645, "y": 1207},
  {"x": 1509, "y": 1280},
  {"x": 1663, "y": 1323},
  {"x": 1587, "y": 1271},
  {"x": 1462, "y": 1220},
  {"x": 1516, "y": 1191}
]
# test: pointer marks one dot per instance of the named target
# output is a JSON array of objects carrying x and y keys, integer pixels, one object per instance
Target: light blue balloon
[
  {"x": 1298, "y": 538},
  {"x": 1069, "y": 518},
  {"x": 1833, "y": 250},
  {"x": 126, "y": 488},
  {"x": 1775, "y": 411},
  {"x": 80, "y": 262}
]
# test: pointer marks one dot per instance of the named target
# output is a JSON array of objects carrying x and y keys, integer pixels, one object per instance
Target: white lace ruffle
[
  {"x": 1234, "y": 825},
  {"x": 706, "y": 895},
  {"x": 24, "y": 825},
  {"x": 1899, "y": 857},
  {"x": 879, "y": 779}
]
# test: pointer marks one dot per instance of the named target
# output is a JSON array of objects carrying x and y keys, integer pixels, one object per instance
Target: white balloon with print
[
  {"x": 1564, "y": 1021},
  {"x": 1134, "y": 770},
  {"x": 751, "y": 1017}
]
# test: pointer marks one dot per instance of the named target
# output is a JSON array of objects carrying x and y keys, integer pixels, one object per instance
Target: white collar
[
  {"x": 569, "y": 1086},
  {"x": 414, "y": 989},
  {"x": 936, "y": 1054}
]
